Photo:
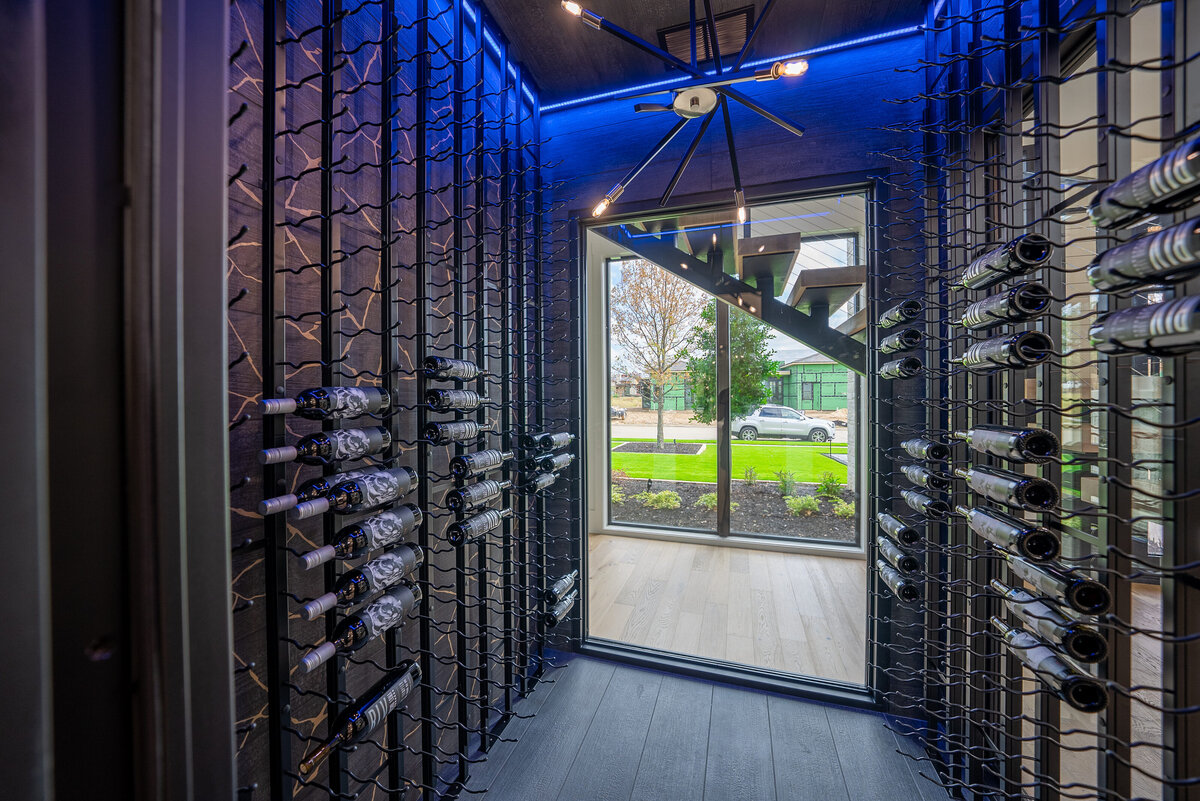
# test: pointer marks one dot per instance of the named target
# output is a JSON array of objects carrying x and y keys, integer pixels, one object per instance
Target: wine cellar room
[{"x": 528, "y": 400}]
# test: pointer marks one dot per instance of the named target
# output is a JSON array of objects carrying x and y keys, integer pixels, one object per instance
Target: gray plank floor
[{"x": 608, "y": 732}]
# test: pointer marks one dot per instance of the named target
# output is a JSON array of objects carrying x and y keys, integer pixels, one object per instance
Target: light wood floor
[{"x": 790, "y": 612}]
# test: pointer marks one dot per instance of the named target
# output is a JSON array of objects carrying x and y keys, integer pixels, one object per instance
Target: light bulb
[
  {"x": 601, "y": 207},
  {"x": 739, "y": 200},
  {"x": 572, "y": 7},
  {"x": 791, "y": 69},
  {"x": 741, "y": 214}
]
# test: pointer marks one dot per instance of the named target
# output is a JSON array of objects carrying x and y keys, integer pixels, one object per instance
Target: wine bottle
[
  {"x": 360, "y": 494},
  {"x": 1011, "y": 489},
  {"x": 364, "y": 716},
  {"x": 548, "y": 464},
  {"x": 906, "y": 563},
  {"x": 1082, "y": 594},
  {"x": 559, "y": 589},
  {"x": 354, "y": 631},
  {"x": 901, "y": 341},
  {"x": 930, "y": 507},
  {"x": 330, "y": 403},
  {"x": 459, "y": 431},
  {"x": 472, "y": 464},
  {"x": 477, "y": 526},
  {"x": 369, "y": 534},
  {"x": 539, "y": 482},
  {"x": 1165, "y": 329},
  {"x": 326, "y": 447},
  {"x": 907, "y": 367},
  {"x": 903, "y": 588},
  {"x": 920, "y": 448},
  {"x": 1026, "y": 445},
  {"x": 476, "y": 495},
  {"x": 1163, "y": 185},
  {"x": 546, "y": 442},
  {"x": 460, "y": 400},
  {"x": 378, "y": 574},
  {"x": 1166, "y": 255},
  {"x": 558, "y": 613},
  {"x": 898, "y": 529},
  {"x": 1080, "y": 690},
  {"x": 1021, "y": 350},
  {"x": 1024, "y": 302},
  {"x": 443, "y": 369},
  {"x": 317, "y": 488},
  {"x": 901, "y": 313},
  {"x": 1029, "y": 540},
  {"x": 1074, "y": 639},
  {"x": 923, "y": 477},
  {"x": 1021, "y": 256}
]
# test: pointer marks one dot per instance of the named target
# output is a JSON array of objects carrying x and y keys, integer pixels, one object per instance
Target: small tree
[
  {"x": 750, "y": 364},
  {"x": 652, "y": 315}
]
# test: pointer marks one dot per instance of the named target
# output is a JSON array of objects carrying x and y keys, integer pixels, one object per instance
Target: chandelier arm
[
  {"x": 745, "y": 51},
  {"x": 714, "y": 48},
  {"x": 692, "y": 29},
  {"x": 733, "y": 163},
  {"x": 643, "y": 45},
  {"x": 687, "y": 157},
  {"x": 792, "y": 127},
  {"x": 657, "y": 149}
]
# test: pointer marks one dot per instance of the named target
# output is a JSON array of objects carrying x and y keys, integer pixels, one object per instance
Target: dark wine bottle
[
  {"x": 559, "y": 589},
  {"x": 476, "y": 494},
  {"x": 903, "y": 588},
  {"x": 1166, "y": 329},
  {"x": 378, "y": 574},
  {"x": 539, "y": 482},
  {"x": 1163, "y": 185},
  {"x": 901, "y": 313},
  {"x": 907, "y": 367},
  {"x": 548, "y": 464},
  {"x": 473, "y": 464},
  {"x": 442, "y": 369},
  {"x": 1021, "y": 350},
  {"x": 477, "y": 526},
  {"x": 920, "y": 448},
  {"x": 1080, "y": 690},
  {"x": 364, "y": 716},
  {"x": 558, "y": 613},
  {"x": 358, "y": 495},
  {"x": 326, "y": 447},
  {"x": 1167, "y": 255},
  {"x": 1024, "y": 302},
  {"x": 446, "y": 400},
  {"x": 1082, "y": 594},
  {"x": 459, "y": 431},
  {"x": 317, "y": 488},
  {"x": 546, "y": 442},
  {"x": 930, "y": 507},
  {"x": 369, "y": 534},
  {"x": 1029, "y": 540},
  {"x": 1021, "y": 256},
  {"x": 1025, "y": 445},
  {"x": 1011, "y": 489},
  {"x": 923, "y": 477},
  {"x": 906, "y": 563},
  {"x": 330, "y": 403},
  {"x": 898, "y": 529},
  {"x": 902, "y": 341},
  {"x": 1076, "y": 640},
  {"x": 354, "y": 631}
]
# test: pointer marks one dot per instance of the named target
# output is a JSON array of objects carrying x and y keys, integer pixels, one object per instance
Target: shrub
[
  {"x": 843, "y": 510},
  {"x": 667, "y": 499},
  {"x": 830, "y": 486},
  {"x": 619, "y": 474},
  {"x": 709, "y": 501},
  {"x": 804, "y": 506},
  {"x": 616, "y": 495},
  {"x": 751, "y": 476},
  {"x": 787, "y": 482}
]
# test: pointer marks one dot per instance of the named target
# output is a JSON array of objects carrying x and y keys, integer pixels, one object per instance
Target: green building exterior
[{"x": 810, "y": 384}]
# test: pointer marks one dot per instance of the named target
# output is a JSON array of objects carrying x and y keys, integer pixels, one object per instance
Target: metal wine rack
[
  {"x": 1029, "y": 110},
  {"x": 387, "y": 199}
]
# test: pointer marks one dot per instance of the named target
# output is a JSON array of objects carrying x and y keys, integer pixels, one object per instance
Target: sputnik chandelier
[{"x": 698, "y": 97}]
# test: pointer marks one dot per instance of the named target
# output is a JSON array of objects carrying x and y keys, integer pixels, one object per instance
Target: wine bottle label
[
  {"x": 443, "y": 399},
  {"x": 388, "y": 527},
  {"x": 440, "y": 433},
  {"x": 447, "y": 369},
  {"x": 1039, "y": 617},
  {"x": 549, "y": 442},
  {"x": 385, "y": 570},
  {"x": 1040, "y": 658},
  {"x": 1022, "y": 255},
  {"x": 1169, "y": 327},
  {"x": 355, "y": 443},
  {"x": 1023, "y": 302},
  {"x": 1016, "y": 350},
  {"x": 1172, "y": 175},
  {"x": 475, "y": 494},
  {"x": 904, "y": 340},
  {"x": 386, "y": 704},
  {"x": 1158, "y": 255},
  {"x": 355, "y": 401},
  {"x": 387, "y": 610}
]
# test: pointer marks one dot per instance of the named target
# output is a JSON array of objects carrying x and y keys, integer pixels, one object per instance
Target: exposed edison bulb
[
  {"x": 572, "y": 7},
  {"x": 739, "y": 200},
  {"x": 601, "y": 207},
  {"x": 791, "y": 69},
  {"x": 741, "y": 214}
]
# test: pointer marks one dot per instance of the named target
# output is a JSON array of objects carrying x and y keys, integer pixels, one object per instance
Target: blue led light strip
[
  {"x": 494, "y": 46},
  {"x": 669, "y": 82}
]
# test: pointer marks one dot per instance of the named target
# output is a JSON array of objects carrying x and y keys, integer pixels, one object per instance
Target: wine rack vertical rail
[
  {"x": 1031, "y": 110},
  {"x": 387, "y": 195}
]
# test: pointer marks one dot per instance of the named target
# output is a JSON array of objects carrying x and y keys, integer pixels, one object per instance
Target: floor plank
[
  {"x": 676, "y": 751},
  {"x": 739, "y": 748},
  {"x": 866, "y": 748},
  {"x": 806, "y": 762}
]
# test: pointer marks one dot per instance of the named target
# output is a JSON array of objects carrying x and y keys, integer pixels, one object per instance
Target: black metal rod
[
  {"x": 687, "y": 157},
  {"x": 745, "y": 51},
  {"x": 714, "y": 47},
  {"x": 786, "y": 124},
  {"x": 641, "y": 165},
  {"x": 733, "y": 162}
]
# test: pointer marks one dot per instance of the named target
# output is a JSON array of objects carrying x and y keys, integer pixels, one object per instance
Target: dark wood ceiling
[{"x": 568, "y": 59}]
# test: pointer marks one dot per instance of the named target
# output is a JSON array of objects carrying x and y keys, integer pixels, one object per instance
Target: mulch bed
[
  {"x": 690, "y": 448},
  {"x": 761, "y": 510}
]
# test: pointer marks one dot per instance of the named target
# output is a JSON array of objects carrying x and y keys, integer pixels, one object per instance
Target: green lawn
[{"x": 802, "y": 459}]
